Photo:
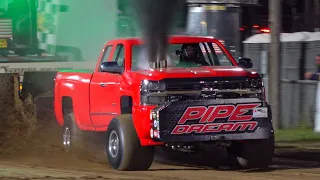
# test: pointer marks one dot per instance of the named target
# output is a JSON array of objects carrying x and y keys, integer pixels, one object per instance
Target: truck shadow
[{"x": 285, "y": 158}]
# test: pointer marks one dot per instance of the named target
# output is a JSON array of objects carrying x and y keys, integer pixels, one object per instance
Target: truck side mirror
[
  {"x": 111, "y": 67},
  {"x": 245, "y": 63}
]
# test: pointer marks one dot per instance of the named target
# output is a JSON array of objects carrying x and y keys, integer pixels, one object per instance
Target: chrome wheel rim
[
  {"x": 113, "y": 147},
  {"x": 66, "y": 138}
]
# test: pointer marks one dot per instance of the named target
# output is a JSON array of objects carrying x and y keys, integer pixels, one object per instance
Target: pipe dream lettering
[{"x": 235, "y": 115}]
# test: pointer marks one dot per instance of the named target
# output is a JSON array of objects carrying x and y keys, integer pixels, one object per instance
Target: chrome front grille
[
  {"x": 189, "y": 86},
  {"x": 221, "y": 83},
  {"x": 214, "y": 87}
]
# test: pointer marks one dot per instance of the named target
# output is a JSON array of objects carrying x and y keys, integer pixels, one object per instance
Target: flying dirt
[{"x": 156, "y": 19}]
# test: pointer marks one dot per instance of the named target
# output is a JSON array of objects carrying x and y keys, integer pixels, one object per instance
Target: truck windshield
[{"x": 187, "y": 55}]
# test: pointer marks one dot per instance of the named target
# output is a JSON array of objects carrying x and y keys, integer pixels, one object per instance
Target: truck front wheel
[
  {"x": 253, "y": 153},
  {"x": 123, "y": 147}
]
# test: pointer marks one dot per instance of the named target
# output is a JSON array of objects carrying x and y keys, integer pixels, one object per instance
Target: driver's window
[
  {"x": 118, "y": 55},
  {"x": 172, "y": 53},
  {"x": 106, "y": 55}
]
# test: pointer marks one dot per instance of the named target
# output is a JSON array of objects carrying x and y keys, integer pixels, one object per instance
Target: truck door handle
[{"x": 103, "y": 84}]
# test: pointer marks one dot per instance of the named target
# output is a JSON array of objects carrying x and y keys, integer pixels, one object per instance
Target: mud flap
[{"x": 40, "y": 85}]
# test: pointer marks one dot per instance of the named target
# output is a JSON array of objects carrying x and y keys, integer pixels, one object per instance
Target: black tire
[
  {"x": 70, "y": 132},
  {"x": 255, "y": 154},
  {"x": 129, "y": 154}
]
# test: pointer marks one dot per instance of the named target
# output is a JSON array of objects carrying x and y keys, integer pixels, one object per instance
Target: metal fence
[
  {"x": 298, "y": 103},
  {"x": 294, "y": 56}
]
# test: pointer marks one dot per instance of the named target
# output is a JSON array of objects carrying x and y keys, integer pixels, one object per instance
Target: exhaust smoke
[{"x": 156, "y": 17}]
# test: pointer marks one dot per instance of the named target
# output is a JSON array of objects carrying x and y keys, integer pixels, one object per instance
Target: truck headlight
[
  {"x": 255, "y": 83},
  {"x": 152, "y": 86},
  {"x": 149, "y": 90},
  {"x": 153, "y": 100},
  {"x": 256, "y": 95}
]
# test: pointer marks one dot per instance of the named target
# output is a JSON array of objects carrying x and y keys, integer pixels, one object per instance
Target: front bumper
[{"x": 235, "y": 120}]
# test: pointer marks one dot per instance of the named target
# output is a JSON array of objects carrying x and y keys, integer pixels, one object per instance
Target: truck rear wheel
[
  {"x": 123, "y": 147},
  {"x": 70, "y": 132},
  {"x": 253, "y": 153}
]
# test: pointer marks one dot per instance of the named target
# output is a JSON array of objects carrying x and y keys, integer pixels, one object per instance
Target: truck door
[{"x": 105, "y": 89}]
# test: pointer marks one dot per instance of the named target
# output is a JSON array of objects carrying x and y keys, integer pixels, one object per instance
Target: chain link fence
[
  {"x": 298, "y": 51},
  {"x": 298, "y": 103}
]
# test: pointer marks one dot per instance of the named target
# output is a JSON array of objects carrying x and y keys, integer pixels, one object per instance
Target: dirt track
[
  {"x": 40, "y": 156},
  {"x": 66, "y": 168}
]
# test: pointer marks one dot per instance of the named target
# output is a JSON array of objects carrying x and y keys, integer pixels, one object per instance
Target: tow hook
[{"x": 182, "y": 148}]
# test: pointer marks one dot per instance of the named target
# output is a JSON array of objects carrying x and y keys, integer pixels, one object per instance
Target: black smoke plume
[{"x": 155, "y": 18}]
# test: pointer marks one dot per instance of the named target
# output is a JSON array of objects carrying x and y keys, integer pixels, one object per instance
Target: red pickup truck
[{"x": 198, "y": 99}]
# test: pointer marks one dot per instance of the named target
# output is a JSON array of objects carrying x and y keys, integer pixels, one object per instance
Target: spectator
[{"x": 314, "y": 75}]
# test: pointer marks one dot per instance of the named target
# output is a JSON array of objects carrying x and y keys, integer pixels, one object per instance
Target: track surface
[
  {"x": 41, "y": 157},
  {"x": 66, "y": 169}
]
